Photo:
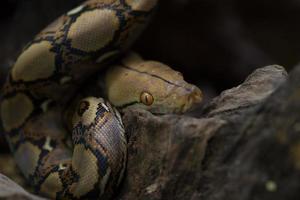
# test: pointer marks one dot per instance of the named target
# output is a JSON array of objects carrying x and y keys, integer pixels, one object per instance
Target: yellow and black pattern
[{"x": 42, "y": 82}]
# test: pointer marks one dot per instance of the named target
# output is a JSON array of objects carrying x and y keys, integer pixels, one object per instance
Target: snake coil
[
  {"x": 42, "y": 81},
  {"x": 50, "y": 71}
]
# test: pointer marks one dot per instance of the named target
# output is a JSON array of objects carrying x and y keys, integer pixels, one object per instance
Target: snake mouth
[{"x": 193, "y": 99}]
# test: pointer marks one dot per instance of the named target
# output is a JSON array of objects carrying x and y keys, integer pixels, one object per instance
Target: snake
[{"x": 70, "y": 146}]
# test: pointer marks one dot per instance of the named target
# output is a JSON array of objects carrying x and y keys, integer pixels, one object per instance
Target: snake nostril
[{"x": 195, "y": 97}]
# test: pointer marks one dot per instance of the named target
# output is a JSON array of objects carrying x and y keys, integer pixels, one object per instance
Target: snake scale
[{"x": 82, "y": 154}]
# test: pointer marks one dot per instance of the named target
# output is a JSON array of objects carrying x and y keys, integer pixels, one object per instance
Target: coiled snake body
[{"x": 51, "y": 70}]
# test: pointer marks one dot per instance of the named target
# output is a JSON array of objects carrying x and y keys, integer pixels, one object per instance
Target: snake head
[{"x": 150, "y": 85}]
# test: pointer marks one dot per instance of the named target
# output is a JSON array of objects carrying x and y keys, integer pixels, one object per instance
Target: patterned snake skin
[{"x": 88, "y": 161}]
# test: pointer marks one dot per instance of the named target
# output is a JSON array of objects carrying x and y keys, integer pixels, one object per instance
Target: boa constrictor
[{"x": 50, "y": 72}]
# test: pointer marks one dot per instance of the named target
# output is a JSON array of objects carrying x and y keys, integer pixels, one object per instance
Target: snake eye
[
  {"x": 146, "y": 98},
  {"x": 83, "y": 106}
]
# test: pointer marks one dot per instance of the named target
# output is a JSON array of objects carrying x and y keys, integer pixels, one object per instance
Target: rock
[
  {"x": 165, "y": 154},
  {"x": 249, "y": 95},
  {"x": 258, "y": 158},
  {"x": 9, "y": 190}
]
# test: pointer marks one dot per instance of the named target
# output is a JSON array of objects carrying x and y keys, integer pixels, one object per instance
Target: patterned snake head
[{"x": 150, "y": 85}]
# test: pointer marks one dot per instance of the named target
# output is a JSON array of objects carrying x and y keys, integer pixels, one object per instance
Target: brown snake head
[{"x": 150, "y": 85}]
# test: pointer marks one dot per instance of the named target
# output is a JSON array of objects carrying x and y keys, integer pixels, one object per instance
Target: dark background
[{"x": 214, "y": 43}]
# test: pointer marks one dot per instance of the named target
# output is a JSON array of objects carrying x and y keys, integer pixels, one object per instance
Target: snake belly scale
[{"x": 41, "y": 83}]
